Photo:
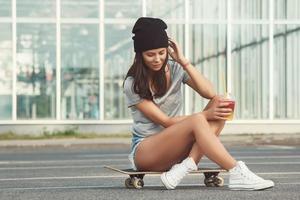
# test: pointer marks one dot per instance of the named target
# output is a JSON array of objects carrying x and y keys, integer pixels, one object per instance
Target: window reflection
[
  {"x": 5, "y": 71},
  {"x": 5, "y": 8},
  {"x": 118, "y": 58},
  {"x": 36, "y": 55},
  {"x": 120, "y": 9},
  {"x": 36, "y": 62},
  {"x": 215, "y": 9},
  {"x": 250, "y": 71},
  {"x": 80, "y": 72},
  {"x": 250, "y": 9},
  {"x": 32, "y": 8},
  {"x": 208, "y": 54},
  {"x": 287, "y": 9},
  {"x": 165, "y": 9},
  {"x": 80, "y": 8},
  {"x": 286, "y": 71}
]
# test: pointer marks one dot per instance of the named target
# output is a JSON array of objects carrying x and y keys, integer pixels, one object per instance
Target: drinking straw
[{"x": 224, "y": 84}]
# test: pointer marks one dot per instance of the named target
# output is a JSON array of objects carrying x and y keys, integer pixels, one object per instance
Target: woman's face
[{"x": 155, "y": 58}]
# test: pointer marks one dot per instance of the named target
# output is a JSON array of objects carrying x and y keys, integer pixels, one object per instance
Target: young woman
[{"x": 163, "y": 139}]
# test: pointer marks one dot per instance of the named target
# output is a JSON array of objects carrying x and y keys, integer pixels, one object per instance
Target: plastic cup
[{"x": 231, "y": 105}]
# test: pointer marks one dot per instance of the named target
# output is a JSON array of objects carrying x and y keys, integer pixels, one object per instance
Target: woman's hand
[
  {"x": 217, "y": 109},
  {"x": 176, "y": 53}
]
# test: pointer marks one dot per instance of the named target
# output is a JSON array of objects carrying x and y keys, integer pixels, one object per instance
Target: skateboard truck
[{"x": 136, "y": 181}]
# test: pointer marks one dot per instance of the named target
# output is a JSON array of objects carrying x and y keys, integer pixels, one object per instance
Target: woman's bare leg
[
  {"x": 216, "y": 128},
  {"x": 161, "y": 151}
]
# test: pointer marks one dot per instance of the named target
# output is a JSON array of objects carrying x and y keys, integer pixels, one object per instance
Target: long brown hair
[{"x": 140, "y": 73}]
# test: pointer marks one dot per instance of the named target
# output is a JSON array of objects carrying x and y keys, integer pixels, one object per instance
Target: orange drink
[{"x": 231, "y": 105}]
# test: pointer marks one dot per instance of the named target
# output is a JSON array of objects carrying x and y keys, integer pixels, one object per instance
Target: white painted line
[
  {"x": 263, "y": 151},
  {"x": 297, "y": 183},
  {"x": 58, "y": 161},
  {"x": 120, "y": 176},
  {"x": 275, "y": 147},
  {"x": 202, "y": 164},
  {"x": 55, "y": 188},
  {"x": 62, "y": 167},
  {"x": 61, "y": 178},
  {"x": 275, "y": 163},
  {"x": 7, "y": 162},
  {"x": 266, "y": 156},
  {"x": 55, "y": 167},
  {"x": 114, "y": 186},
  {"x": 281, "y": 173},
  {"x": 102, "y": 155}
]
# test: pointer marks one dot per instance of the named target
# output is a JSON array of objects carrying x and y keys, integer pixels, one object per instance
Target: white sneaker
[
  {"x": 173, "y": 177},
  {"x": 241, "y": 178}
]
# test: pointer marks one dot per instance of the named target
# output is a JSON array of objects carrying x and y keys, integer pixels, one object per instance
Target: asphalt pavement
[{"x": 69, "y": 171}]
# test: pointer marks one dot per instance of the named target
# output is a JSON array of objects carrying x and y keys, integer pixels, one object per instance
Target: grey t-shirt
[{"x": 170, "y": 103}]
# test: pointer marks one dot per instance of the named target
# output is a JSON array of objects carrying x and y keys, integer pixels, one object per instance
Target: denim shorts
[{"x": 136, "y": 140}]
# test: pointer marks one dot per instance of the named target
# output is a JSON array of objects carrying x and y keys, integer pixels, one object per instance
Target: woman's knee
[
  {"x": 218, "y": 126},
  {"x": 198, "y": 118},
  {"x": 221, "y": 124}
]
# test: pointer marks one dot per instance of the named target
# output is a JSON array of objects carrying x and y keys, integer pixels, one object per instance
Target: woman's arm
[
  {"x": 151, "y": 111},
  {"x": 199, "y": 83}
]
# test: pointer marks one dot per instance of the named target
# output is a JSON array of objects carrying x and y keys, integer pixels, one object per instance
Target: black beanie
[{"x": 149, "y": 34}]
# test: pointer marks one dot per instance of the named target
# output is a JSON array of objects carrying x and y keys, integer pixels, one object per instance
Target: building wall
[{"x": 64, "y": 61}]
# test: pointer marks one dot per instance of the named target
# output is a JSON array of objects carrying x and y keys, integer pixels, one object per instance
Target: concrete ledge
[
  {"x": 227, "y": 139},
  {"x": 235, "y": 127},
  {"x": 65, "y": 142}
]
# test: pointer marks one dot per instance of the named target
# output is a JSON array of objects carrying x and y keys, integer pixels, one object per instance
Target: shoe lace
[{"x": 247, "y": 173}]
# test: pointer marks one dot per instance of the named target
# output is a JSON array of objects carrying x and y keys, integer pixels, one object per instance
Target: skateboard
[{"x": 136, "y": 181}]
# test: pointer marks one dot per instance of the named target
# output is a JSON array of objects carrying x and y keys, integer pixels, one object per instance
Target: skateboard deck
[{"x": 135, "y": 179}]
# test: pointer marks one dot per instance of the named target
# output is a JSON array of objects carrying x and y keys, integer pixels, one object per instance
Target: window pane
[
  {"x": 176, "y": 31},
  {"x": 208, "y": 54},
  {"x": 5, "y": 8},
  {"x": 122, "y": 9},
  {"x": 119, "y": 56},
  {"x": 36, "y": 62},
  {"x": 80, "y": 72},
  {"x": 250, "y": 9},
  {"x": 80, "y": 8},
  {"x": 33, "y": 8},
  {"x": 165, "y": 9},
  {"x": 5, "y": 71},
  {"x": 287, "y": 9},
  {"x": 250, "y": 71},
  {"x": 215, "y": 9},
  {"x": 286, "y": 71}
]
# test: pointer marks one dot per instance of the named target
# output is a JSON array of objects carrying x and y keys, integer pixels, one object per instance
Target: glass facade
[
  {"x": 32, "y": 8},
  {"x": 79, "y": 9},
  {"x": 79, "y": 71},
  {"x": 64, "y": 60},
  {"x": 5, "y": 71},
  {"x": 250, "y": 72},
  {"x": 250, "y": 9},
  {"x": 5, "y": 8},
  {"x": 287, "y": 71},
  {"x": 35, "y": 71},
  {"x": 207, "y": 49}
]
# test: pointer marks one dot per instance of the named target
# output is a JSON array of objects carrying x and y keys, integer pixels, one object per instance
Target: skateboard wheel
[
  {"x": 138, "y": 183},
  {"x": 209, "y": 182},
  {"x": 214, "y": 181},
  {"x": 128, "y": 183},
  {"x": 218, "y": 181}
]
